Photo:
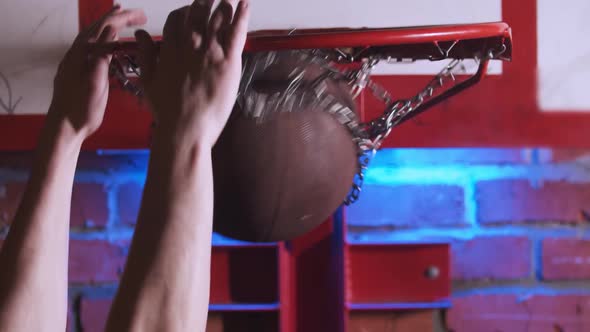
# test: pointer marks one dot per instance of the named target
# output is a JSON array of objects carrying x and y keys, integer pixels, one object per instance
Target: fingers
[
  {"x": 123, "y": 19},
  {"x": 99, "y": 62},
  {"x": 198, "y": 19},
  {"x": 107, "y": 29},
  {"x": 117, "y": 19},
  {"x": 226, "y": 7},
  {"x": 97, "y": 25},
  {"x": 221, "y": 34},
  {"x": 213, "y": 46},
  {"x": 174, "y": 27},
  {"x": 148, "y": 55},
  {"x": 108, "y": 35},
  {"x": 238, "y": 32}
]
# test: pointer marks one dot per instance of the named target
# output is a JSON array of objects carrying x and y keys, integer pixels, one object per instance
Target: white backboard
[
  {"x": 34, "y": 40},
  {"x": 563, "y": 55},
  {"x": 35, "y": 36},
  {"x": 302, "y": 14}
]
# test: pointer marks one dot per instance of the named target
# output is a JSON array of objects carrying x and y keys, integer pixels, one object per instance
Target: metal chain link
[
  {"x": 373, "y": 133},
  {"x": 396, "y": 111},
  {"x": 378, "y": 129}
]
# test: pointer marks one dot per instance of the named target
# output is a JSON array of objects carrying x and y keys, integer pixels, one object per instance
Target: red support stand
[{"x": 322, "y": 282}]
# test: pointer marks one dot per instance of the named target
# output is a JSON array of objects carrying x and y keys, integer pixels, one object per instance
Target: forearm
[
  {"x": 166, "y": 280},
  {"x": 33, "y": 281}
]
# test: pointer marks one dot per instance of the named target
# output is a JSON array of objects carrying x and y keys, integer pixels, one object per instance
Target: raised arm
[
  {"x": 192, "y": 89},
  {"x": 33, "y": 278}
]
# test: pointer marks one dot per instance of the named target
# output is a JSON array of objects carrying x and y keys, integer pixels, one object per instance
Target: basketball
[{"x": 280, "y": 176}]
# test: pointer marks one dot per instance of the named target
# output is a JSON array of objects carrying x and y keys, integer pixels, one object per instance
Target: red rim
[
  {"x": 340, "y": 38},
  {"x": 274, "y": 40}
]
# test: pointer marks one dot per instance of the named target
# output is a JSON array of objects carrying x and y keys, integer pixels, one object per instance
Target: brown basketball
[{"x": 280, "y": 177}]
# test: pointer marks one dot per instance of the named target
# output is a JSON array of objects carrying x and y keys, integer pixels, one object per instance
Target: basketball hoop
[{"x": 349, "y": 56}]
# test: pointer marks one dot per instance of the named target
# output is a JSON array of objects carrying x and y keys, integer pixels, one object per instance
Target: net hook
[{"x": 445, "y": 53}]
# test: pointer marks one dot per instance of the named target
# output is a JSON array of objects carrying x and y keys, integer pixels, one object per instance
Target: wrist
[
  {"x": 178, "y": 159},
  {"x": 183, "y": 134},
  {"x": 78, "y": 124},
  {"x": 61, "y": 132}
]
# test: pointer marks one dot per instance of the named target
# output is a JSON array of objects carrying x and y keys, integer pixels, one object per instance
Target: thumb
[
  {"x": 99, "y": 60},
  {"x": 147, "y": 57}
]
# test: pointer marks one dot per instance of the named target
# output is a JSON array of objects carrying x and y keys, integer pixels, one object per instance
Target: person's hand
[
  {"x": 192, "y": 83},
  {"x": 81, "y": 85}
]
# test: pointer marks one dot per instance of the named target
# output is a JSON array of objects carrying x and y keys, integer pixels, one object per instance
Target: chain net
[
  {"x": 309, "y": 72},
  {"x": 305, "y": 77}
]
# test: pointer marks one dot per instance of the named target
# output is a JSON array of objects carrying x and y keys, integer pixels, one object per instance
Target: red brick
[
  {"x": 128, "y": 202},
  {"x": 408, "y": 206},
  {"x": 89, "y": 205},
  {"x": 94, "y": 314},
  {"x": 493, "y": 313},
  {"x": 10, "y": 197},
  {"x": 389, "y": 321},
  {"x": 560, "y": 313},
  {"x": 96, "y": 261},
  {"x": 518, "y": 201},
  {"x": 566, "y": 259},
  {"x": 492, "y": 258}
]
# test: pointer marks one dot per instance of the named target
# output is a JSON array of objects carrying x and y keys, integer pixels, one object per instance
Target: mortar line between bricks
[
  {"x": 115, "y": 177},
  {"x": 539, "y": 232},
  {"x": 527, "y": 156},
  {"x": 520, "y": 287},
  {"x": 112, "y": 206},
  {"x": 81, "y": 176},
  {"x": 470, "y": 202},
  {"x": 452, "y": 174},
  {"x": 112, "y": 235},
  {"x": 535, "y": 156},
  {"x": 92, "y": 291},
  {"x": 537, "y": 257}
]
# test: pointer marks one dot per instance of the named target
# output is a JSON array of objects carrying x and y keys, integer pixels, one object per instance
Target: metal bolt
[{"x": 432, "y": 272}]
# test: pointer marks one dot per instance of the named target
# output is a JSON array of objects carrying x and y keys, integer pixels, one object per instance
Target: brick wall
[
  {"x": 105, "y": 202},
  {"x": 518, "y": 221}
]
